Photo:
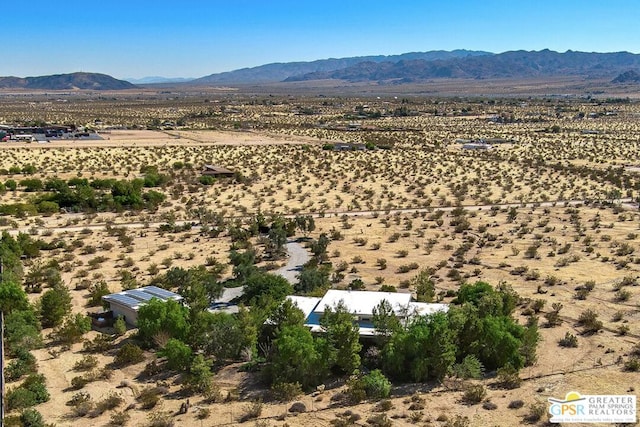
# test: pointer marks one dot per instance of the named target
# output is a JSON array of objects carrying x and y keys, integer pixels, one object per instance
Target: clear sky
[{"x": 187, "y": 38}]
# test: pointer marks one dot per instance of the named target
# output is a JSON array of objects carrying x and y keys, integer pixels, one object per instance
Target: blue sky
[{"x": 196, "y": 38}]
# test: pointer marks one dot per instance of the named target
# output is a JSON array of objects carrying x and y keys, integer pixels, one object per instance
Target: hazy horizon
[{"x": 193, "y": 39}]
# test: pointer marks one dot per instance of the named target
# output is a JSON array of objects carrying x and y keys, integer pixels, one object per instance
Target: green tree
[
  {"x": 297, "y": 357},
  {"x": 343, "y": 334},
  {"x": 158, "y": 317},
  {"x": 200, "y": 289},
  {"x": 260, "y": 288},
  {"x": 285, "y": 314},
  {"x": 243, "y": 264},
  {"x": 178, "y": 355},
  {"x": 12, "y": 297},
  {"x": 424, "y": 286},
  {"x": 73, "y": 328},
  {"x": 55, "y": 304},
  {"x": 228, "y": 335},
  {"x": 200, "y": 376},
  {"x": 319, "y": 248},
  {"x": 22, "y": 330},
  {"x": 312, "y": 279},
  {"x": 385, "y": 322},
  {"x": 424, "y": 350}
]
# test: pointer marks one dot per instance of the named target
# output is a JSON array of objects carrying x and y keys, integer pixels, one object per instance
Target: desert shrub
[
  {"x": 632, "y": 364},
  {"x": 128, "y": 354},
  {"x": 24, "y": 363},
  {"x": 622, "y": 295},
  {"x": 252, "y": 411},
  {"x": 78, "y": 398},
  {"x": 79, "y": 382},
  {"x": 96, "y": 292},
  {"x": 120, "y": 326},
  {"x": 588, "y": 319},
  {"x": 203, "y": 413},
  {"x": 569, "y": 340},
  {"x": 149, "y": 397},
  {"x": 286, "y": 392},
  {"x": 373, "y": 385},
  {"x": 470, "y": 367},
  {"x": 100, "y": 344},
  {"x": 474, "y": 393},
  {"x": 376, "y": 385},
  {"x": 86, "y": 363},
  {"x": 383, "y": 406},
  {"x": 119, "y": 418},
  {"x": 112, "y": 401},
  {"x": 31, "y": 418},
  {"x": 489, "y": 406},
  {"x": 536, "y": 412},
  {"x": 515, "y": 404},
  {"x": 72, "y": 329},
  {"x": 379, "y": 420},
  {"x": 508, "y": 377},
  {"x": 161, "y": 419},
  {"x": 31, "y": 392}
]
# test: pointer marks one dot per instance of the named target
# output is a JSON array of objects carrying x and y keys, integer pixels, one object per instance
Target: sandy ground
[{"x": 292, "y": 178}]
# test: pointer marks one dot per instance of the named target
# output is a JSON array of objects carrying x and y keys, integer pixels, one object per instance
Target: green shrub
[
  {"x": 632, "y": 364},
  {"x": 286, "y": 392},
  {"x": 86, "y": 363},
  {"x": 474, "y": 393},
  {"x": 470, "y": 367},
  {"x": 128, "y": 354},
  {"x": 508, "y": 377},
  {"x": 252, "y": 411},
  {"x": 569, "y": 340},
  {"x": 376, "y": 385},
  {"x": 31, "y": 392},
  {"x": 31, "y": 418}
]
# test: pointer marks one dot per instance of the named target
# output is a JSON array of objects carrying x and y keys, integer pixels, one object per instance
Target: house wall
[{"x": 130, "y": 315}]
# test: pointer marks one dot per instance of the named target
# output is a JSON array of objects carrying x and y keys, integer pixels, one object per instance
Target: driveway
[{"x": 298, "y": 256}]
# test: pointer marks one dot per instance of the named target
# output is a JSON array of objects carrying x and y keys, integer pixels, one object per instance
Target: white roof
[
  {"x": 427, "y": 308},
  {"x": 363, "y": 302},
  {"x": 306, "y": 304}
]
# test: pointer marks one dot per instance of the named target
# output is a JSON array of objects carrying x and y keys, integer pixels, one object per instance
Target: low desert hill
[{"x": 73, "y": 81}]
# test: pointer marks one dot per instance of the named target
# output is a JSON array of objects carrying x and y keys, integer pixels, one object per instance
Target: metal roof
[
  {"x": 122, "y": 299},
  {"x": 160, "y": 293},
  {"x": 134, "y": 298}
]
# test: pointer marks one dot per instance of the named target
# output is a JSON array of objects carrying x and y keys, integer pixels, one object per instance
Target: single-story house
[
  {"x": 477, "y": 146},
  {"x": 361, "y": 305},
  {"x": 127, "y": 303},
  {"x": 217, "y": 171}
]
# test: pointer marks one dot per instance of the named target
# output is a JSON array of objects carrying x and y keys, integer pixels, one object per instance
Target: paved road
[{"x": 298, "y": 256}]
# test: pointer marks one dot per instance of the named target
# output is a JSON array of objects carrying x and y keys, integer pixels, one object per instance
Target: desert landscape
[{"x": 536, "y": 196}]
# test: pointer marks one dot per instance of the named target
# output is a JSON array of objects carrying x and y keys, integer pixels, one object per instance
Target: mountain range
[
  {"x": 277, "y": 72},
  {"x": 617, "y": 67},
  {"x": 514, "y": 64}
]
